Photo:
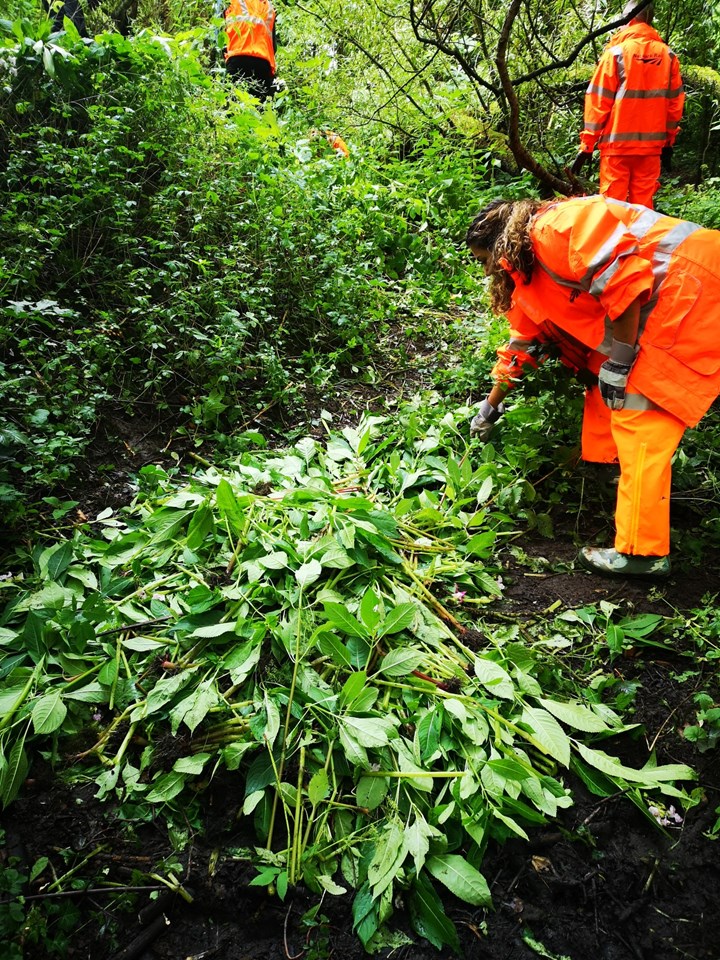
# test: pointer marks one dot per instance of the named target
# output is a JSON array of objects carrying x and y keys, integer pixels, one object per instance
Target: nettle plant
[{"x": 296, "y": 619}]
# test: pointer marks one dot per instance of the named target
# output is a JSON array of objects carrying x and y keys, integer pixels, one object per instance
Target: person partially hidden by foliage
[
  {"x": 633, "y": 108},
  {"x": 251, "y": 45},
  {"x": 335, "y": 141},
  {"x": 632, "y": 296}
]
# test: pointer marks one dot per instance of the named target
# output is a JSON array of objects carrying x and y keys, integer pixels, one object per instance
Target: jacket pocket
[{"x": 686, "y": 325}]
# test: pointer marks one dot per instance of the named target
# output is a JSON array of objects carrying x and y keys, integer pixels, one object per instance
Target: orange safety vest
[
  {"x": 593, "y": 257},
  {"x": 249, "y": 25},
  {"x": 635, "y": 99}
]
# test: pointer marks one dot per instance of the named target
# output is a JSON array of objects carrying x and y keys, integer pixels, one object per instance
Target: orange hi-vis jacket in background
[
  {"x": 635, "y": 99},
  {"x": 594, "y": 257},
  {"x": 249, "y": 25}
]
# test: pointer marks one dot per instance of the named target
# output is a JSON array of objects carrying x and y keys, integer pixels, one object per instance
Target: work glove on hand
[
  {"x": 614, "y": 373},
  {"x": 580, "y": 160},
  {"x": 666, "y": 159},
  {"x": 482, "y": 425}
]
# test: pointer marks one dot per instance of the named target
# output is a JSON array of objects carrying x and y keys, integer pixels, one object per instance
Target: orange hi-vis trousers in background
[
  {"x": 646, "y": 441},
  {"x": 630, "y": 178}
]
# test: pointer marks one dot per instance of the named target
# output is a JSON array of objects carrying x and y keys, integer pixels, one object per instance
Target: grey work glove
[
  {"x": 482, "y": 424},
  {"x": 614, "y": 373}
]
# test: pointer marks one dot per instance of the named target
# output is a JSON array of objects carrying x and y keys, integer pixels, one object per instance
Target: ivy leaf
[{"x": 461, "y": 878}]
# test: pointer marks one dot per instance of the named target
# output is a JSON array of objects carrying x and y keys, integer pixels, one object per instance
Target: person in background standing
[
  {"x": 251, "y": 44},
  {"x": 633, "y": 108}
]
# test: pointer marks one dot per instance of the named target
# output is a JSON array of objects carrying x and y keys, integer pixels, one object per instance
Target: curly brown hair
[{"x": 503, "y": 229}]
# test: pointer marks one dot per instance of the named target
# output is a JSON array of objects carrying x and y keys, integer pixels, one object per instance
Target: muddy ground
[{"x": 603, "y": 883}]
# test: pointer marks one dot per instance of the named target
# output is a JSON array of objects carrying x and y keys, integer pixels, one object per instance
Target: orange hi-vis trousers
[
  {"x": 597, "y": 444},
  {"x": 646, "y": 441},
  {"x": 630, "y": 178}
]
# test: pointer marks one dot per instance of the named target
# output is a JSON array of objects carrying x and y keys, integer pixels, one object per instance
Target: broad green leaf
[
  {"x": 371, "y": 609},
  {"x": 343, "y": 620},
  {"x": 167, "y": 787},
  {"x": 371, "y": 791},
  {"x": 548, "y": 733},
  {"x": 55, "y": 560},
  {"x": 461, "y": 878},
  {"x": 417, "y": 840},
  {"x": 319, "y": 787},
  {"x": 201, "y": 526},
  {"x": 48, "y": 713},
  {"x": 575, "y": 715},
  {"x": 331, "y": 646},
  {"x": 390, "y": 851},
  {"x": 647, "y": 776},
  {"x": 193, "y": 765},
  {"x": 327, "y": 883},
  {"x": 365, "y": 915},
  {"x": 308, "y": 573},
  {"x": 400, "y": 662},
  {"x": 494, "y": 678},
  {"x": 428, "y": 916},
  {"x": 355, "y": 753},
  {"x": 397, "y": 619},
  {"x": 368, "y": 731},
  {"x": 213, "y": 630},
  {"x": 142, "y": 644},
  {"x": 14, "y": 773},
  {"x": 510, "y": 824},
  {"x": 229, "y": 506},
  {"x": 427, "y": 734}
]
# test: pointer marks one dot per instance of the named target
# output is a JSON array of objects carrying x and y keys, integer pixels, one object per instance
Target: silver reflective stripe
[
  {"x": 622, "y": 79},
  {"x": 604, "y": 254},
  {"x": 663, "y": 93},
  {"x": 644, "y": 223},
  {"x": 603, "y": 278},
  {"x": 594, "y": 126},
  {"x": 634, "y": 137},
  {"x": 600, "y": 91},
  {"x": 561, "y": 281},
  {"x": 637, "y": 401},
  {"x": 661, "y": 261},
  {"x": 246, "y": 17},
  {"x": 523, "y": 345}
]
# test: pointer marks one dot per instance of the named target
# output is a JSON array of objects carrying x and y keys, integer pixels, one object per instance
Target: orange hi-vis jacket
[
  {"x": 249, "y": 25},
  {"x": 635, "y": 99},
  {"x": 593, "y": 257}
]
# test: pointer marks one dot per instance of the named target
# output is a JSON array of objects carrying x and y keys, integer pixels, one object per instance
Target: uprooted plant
[{"x": 296, "y": 619}]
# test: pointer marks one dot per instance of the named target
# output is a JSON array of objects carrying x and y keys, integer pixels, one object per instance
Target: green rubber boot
[{"x": 610, "y": 563}]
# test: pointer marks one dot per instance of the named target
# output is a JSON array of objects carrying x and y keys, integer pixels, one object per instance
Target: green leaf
[
  {"x": 400, "y": 662},
  {"x": 428, "y": 916},
  {"x": 390, "y": 851},
  {"x": 496, "y": 679},
  {"x": 308, "y": 573},
  {"x": 575, "y": 715},
  {"x": 371, "y": 791},
  {"x": 648, "y": 776},
  {"x": 48, "y": 713},
  {"x": 368, "y": 731},
  {"x": 331, "y": 646},
  {"x": 193, "y": 764},
  {"x": 319, "y": 787},
  {"x": 55, "y": 560},
  {"x": 548, "y": 733},
  {"x": 201, "y": 526},
  {"x": 397, "y": 619},
  {"x": 14, "y": 773},
  {"x": 229, "y": 507},
  {"x": 167, "y": 787},
  {"x": 427, "y": 734},
  {"x": 461, "y": 878},
  {"x": 343, "y": 620}
]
